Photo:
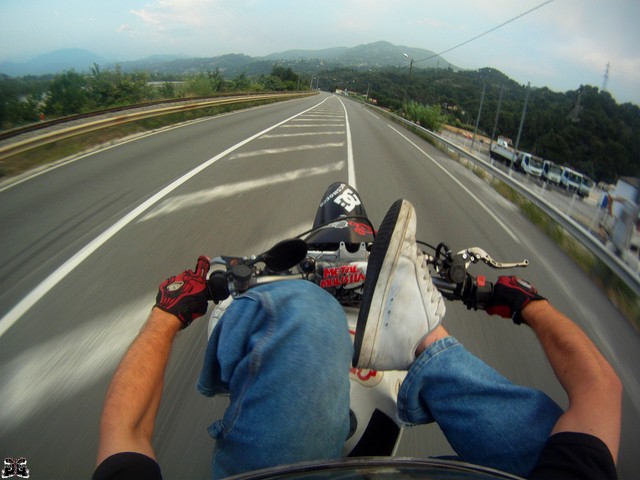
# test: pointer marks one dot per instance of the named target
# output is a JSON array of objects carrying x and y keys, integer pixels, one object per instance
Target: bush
[
  {"x": 428, "y": 117},
  {"x": 204, "y": 84}
]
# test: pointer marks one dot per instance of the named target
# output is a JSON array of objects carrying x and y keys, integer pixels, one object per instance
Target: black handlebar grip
[
  {"x": 477, "y": 293},
  {"x": 483, "y": 293},
  {"x": 217, "y": 287}
]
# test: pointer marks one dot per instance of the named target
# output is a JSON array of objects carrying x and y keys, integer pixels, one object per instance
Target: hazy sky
[{"x": 561, "y": 45}]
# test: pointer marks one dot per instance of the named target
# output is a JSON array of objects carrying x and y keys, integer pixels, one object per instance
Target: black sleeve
[
  {"x": 128, "y": 466},
  {"x": 571, "y": 455}
]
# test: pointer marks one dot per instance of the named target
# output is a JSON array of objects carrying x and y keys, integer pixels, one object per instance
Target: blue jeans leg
[
  {"x": 283, "y": 352},
  {"x": 487, "y": 419}
]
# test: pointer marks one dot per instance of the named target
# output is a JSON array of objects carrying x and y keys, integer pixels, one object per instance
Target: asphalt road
[{"x": 84, "y": 246}]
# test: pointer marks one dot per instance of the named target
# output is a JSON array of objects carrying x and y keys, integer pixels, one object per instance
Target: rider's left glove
[
  {"x": 510, "y": 296},
  {"x": 185, "y": 295}
]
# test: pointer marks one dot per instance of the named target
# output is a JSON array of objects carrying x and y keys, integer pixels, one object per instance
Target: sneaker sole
[{"x": 396, "y": 219}]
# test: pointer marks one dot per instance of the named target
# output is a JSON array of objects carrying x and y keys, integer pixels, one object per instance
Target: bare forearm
[
  {"x": 592, "y": 385},
  {"x": 135, "y": 392}
]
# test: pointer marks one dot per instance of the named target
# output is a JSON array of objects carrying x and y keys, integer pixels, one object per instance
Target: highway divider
[{"x": 16, "y": 148}]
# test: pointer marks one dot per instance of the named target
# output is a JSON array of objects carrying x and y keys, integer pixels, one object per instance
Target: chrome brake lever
[{"x": 476, "y": 254}]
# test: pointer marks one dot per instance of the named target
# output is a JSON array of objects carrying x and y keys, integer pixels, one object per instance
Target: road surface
[{"x": 85, "y": 245}]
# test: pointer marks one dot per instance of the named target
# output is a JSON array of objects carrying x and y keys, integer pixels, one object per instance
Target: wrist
[
  {"x": 163, "y": 317},
  {"x": 535, "y": 309}
]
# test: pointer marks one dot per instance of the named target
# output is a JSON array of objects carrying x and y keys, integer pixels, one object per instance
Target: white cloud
[
  {"x": 170, "y": 15},
  {"x": 125, "y": 28}
]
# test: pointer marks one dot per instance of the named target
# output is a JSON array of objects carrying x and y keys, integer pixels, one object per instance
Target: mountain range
[{"x": 372, "y": 55}]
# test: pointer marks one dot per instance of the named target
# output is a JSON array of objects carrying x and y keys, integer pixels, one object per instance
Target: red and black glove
[
  {"x": 185, "y": 295},
  {"x": 510, "y": 296}
]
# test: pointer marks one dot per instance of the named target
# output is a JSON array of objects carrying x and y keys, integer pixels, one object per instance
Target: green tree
[
  {"x": 241, "y": 83},
  {"x": 67, "y": 95},
  {"x": 109, "y": 88},
  {"x": 167, "y": 90},
  {"x": 204, "y": 84},
  {"x": 273, "y": 83},
  {"x": 289, "y": 79}
]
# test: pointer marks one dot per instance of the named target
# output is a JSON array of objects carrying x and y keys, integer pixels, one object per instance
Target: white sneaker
[{"x": 400, "y": 305}]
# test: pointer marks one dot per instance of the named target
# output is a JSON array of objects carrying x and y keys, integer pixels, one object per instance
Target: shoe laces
[
  {"x": 435, "y": 295},
  {"x": 422, "y": 259}
]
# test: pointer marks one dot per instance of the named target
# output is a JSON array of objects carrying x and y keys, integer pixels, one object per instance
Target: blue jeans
[{"x": 283, "y": 353}]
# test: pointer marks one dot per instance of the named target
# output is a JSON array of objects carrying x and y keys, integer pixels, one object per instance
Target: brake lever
[{"x": 476, "y": 254}]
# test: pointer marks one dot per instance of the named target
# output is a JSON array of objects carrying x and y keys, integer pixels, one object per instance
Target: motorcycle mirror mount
[{"x": 284, "y": 255}]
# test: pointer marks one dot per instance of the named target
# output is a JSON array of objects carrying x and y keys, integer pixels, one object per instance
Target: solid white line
[
  {"x": 56, "y": 277},
  {"x": 350, "y": 165},
  {"x": 371, "y": 113},
  {"x": 471, "y": 194}
]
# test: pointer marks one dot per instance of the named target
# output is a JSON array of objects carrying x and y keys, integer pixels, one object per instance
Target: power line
[{"x": 485, "y": 33}]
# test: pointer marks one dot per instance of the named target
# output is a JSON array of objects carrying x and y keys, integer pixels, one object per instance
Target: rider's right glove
[
  {"x": 510, "y": 296},
  {"x": 185, "y": 295}
]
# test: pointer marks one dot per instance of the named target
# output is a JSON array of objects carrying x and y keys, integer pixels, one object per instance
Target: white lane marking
[
  {"x": 339, "y": 119},
  {"x": 350, "y": 165},
  {"x": 205, "y": 196},
  {"x": 313, "y": 125},
  {"x": 469, "y": 192},
  {"x": 302, "y": 134},
  {"x": 371, "y": 113},
  {"x": 61, "y": 272},
  {"x": 276, "y": 151}
]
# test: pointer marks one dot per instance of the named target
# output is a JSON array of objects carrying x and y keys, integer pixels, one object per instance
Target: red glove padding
[
  {"x": 510, "y": 296},
  {"x": 185, "y": 295}
]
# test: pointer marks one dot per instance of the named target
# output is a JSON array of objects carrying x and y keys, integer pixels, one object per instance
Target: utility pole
[
  {"x": 406, "y": 90},
  {"x": 524, "y": 112},
  {"x": 495, "y": 122},
  {"x": 475, "y": 130},
  {"x": 605, "y": 80}
]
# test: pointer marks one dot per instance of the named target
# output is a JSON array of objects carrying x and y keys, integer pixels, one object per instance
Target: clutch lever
[{"x": 476, "y": 254}]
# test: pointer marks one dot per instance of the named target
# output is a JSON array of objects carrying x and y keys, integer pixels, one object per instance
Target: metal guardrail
[
  {"x": 40, "y": 140},
  {"x": 594, "y": 245}
]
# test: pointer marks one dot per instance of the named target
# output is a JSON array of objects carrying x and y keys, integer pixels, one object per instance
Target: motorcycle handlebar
[{"x": 474, "y": 292}]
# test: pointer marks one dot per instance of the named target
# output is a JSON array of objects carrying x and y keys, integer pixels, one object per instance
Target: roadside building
[{"x": 625, "y": 231}]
